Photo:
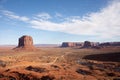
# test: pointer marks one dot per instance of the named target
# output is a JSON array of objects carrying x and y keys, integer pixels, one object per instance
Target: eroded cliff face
[
  {"x": 68, "y": 44},
  {"x": 25, "y": 43},
  {"x": 85, "y": 44}
]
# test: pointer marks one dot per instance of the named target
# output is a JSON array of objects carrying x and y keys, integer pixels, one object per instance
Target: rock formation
[
  {"x": 87, "y": 44},
  {"x": 68, "y": 44},
  {"x": 71, "y": 44},
  {"x": 25, "y": 43},
  {"x": 105, "y": 44}
]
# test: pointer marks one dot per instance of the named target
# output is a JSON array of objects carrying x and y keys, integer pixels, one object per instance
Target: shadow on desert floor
[{"x": 114, "y": 57}]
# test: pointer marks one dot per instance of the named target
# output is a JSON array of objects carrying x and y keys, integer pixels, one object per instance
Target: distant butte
[
  {"x": 25, "y": 43},
  {"x": 88, "y": 44}
]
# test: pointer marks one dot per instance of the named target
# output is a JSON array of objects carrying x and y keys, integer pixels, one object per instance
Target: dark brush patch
[
  {"x": 22, "y": 76},
  {"x": 2, "y": 63},
  {"x": 47, "y": 77},
  {"x": 36, "y": 69},
  {"x": 1, "y": 75},
  {"x": 84, "y": 72}
]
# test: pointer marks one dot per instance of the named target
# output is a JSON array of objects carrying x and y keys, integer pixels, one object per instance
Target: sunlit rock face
[
  {"x": 25, "y": 43},
  {"x": 72, "y": 44},
  {"x": 68, "y": 44},
  {"x": 87, "y": 44}
]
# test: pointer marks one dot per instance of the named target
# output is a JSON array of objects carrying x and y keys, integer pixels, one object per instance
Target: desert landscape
[
  {"x": 59, "y": 39},
  {"x": 58, "y": 63}
]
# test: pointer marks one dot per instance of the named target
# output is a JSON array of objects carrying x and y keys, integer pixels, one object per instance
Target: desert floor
[{"x": 60, "y": 64}]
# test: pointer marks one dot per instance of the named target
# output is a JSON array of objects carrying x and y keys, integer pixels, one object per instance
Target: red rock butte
[{"x": 25, "y": 43}]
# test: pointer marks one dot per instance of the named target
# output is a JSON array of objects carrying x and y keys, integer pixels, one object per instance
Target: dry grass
[
  {"x": 60, "y": 63},
  {"x": 49, "y": 55}
]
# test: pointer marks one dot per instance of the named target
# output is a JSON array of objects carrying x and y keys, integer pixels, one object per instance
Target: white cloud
[
  {"x": 105, "y": 23},
  {"x": 43, "y": 16},
  {"x": 24, "y": 18},
  {"x": 14, "y": 16}
]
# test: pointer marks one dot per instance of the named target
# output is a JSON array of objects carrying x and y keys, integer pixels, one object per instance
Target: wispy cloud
[
  {"x": 43, "y": 16},
  {"x": 14, "y": 16},
  {"x": 104, "y": 23}
]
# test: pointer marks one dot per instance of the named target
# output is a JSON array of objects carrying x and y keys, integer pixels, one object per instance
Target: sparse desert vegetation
[
  {"x": 60, "y": 64},
  {"x": 59, "y": 39}
]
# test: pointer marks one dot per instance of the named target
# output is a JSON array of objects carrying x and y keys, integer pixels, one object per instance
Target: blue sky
[{"x": 57, "y": 21}]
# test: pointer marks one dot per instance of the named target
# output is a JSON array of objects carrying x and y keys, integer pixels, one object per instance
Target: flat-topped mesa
[
  {"x": 88, "y": 44},
  {"x": 105, "y": 44},
  {"x": 68, "y": 44},
  {"x": 25, "y": 43},
  {"x": 71, "y": 44}
]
